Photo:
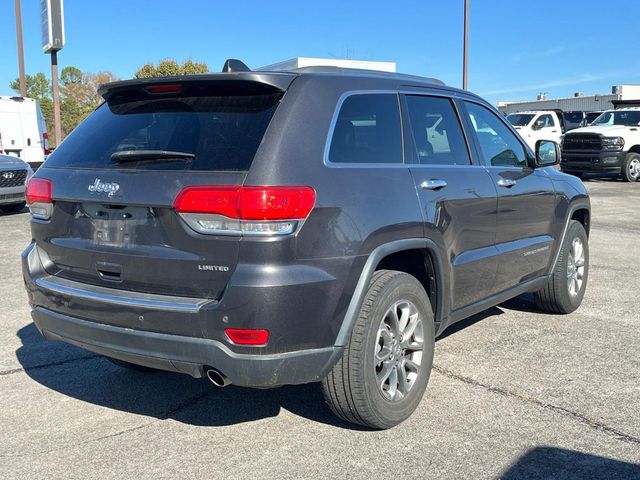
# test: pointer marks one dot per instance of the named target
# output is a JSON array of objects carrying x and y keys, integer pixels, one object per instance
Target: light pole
[
  {"x": 465, "y": 45},
  {"x": 21, "y": 76}
]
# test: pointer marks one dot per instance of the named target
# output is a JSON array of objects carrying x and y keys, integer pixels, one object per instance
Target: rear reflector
[
  {"x": 241, "y": 336},
  {"x": 173, "y": 88},
  {"x": 39, "y": 197},
  {"x": 245, "y": 210}
]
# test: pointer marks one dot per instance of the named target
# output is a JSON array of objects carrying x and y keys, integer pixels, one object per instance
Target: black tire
[
  {"x": 131, "y": 366},
  {"x": 555, "y": 296},
  {"x": 14, "y": 207},
  {"x": 627, "y": 174},
  {"x": 351, "y": 388}
]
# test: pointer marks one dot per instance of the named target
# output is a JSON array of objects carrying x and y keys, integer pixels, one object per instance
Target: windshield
[
  {"x": 573, "y": 117},
  {"x": 207, "y": 133},
  {"x": 520, "y": 119},
  {"x": 628, "y": 118}
]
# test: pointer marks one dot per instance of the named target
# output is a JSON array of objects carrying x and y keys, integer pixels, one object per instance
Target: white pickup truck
[
  {"x": 610, "y": 145},
  {"x": 538, "y": 125}
]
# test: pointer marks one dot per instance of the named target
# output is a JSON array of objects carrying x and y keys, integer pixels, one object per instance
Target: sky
[{"x": 518, "y": 48}]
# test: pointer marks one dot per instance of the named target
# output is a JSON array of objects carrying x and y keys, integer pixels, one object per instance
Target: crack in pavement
[
  {"x": 168, "y": 414},
  {"x": 47, "y": 365},
  {"x": 617, "y": 434}
]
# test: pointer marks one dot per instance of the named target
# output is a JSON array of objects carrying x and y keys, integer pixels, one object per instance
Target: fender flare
[
  {"x": 582, "y": 204},
  {"x": 368, "y": 270}
]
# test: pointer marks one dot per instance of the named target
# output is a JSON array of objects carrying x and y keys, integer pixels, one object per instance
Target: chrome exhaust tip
[{"x": 217, "y": 378}]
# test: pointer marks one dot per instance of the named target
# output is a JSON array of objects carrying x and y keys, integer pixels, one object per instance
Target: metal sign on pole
[
  {"x": 21, "y": 76},
  {"x": 52, "y": 23}
]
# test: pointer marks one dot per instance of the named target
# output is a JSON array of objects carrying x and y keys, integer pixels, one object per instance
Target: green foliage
[
  {"x": 38, "y": 86},
  {"x": 78, "y": 96},
  {"x": 171, "y": 68}
]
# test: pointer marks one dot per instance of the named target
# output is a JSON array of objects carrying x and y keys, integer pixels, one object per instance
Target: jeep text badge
[{"x": 98, "y": 186}]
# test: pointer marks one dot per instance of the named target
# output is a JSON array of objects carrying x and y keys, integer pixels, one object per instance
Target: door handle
[
  {"x": 506, "y": 182},
  {"x": 433, "y": 184}
]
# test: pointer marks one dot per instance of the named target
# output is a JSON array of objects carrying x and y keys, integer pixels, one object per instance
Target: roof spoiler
[{"x": 234, "y": 65}]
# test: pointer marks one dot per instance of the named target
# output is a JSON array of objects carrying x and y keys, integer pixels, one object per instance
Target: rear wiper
[{"x": 157, "y": 155}]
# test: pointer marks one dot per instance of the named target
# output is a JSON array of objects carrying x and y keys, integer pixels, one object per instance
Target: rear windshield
[{"x": 222, "y": 132}]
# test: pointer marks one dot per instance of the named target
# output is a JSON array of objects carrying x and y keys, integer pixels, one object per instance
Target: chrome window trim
[{"x": 405, "y": 90}]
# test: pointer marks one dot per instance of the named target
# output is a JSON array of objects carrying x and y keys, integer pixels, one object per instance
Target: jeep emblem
[{"x": 98, "y": 186}]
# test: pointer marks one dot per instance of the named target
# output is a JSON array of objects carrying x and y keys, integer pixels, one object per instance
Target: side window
[
  {"x": 436, "y": 131},
  {"x": 499, "y": 146},
  {"x": 367, "y": 130},
  {"x": 546, "y": 120}
]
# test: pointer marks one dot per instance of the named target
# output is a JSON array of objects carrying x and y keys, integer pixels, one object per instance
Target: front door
[{"x": 526, "y": 199}]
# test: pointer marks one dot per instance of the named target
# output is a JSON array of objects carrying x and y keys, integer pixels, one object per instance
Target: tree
[
  {"x": 38, "y": 86},
  {"x": 78, "y": 96},
  {"x": 171, "y": 68}
]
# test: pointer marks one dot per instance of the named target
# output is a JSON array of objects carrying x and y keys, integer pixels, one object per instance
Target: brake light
[
  {"x": 245, "y": 210},
  {"x": 1, "y": 151},
  {"x": 173, "y": 88},
  {"x": 39, "y": 197},
  {"x": 241, "y": 336}
]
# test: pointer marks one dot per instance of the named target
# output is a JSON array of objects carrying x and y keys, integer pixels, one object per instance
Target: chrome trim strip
[{"x": 63, "y": 286}]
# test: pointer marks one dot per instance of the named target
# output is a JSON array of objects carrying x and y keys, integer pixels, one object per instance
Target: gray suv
[
  {"x": 13, "y": 175},
  {"x": 317, "y": 225}
]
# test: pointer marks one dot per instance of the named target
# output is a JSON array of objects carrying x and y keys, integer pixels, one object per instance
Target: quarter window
[
  {"x": 436, "y": 131},
  {"x": 498, "y": 145},
  {"x": 367, "y": 130}
]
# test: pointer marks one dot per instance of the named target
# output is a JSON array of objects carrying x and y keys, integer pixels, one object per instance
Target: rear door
[
  {"x": 32, "y": 150},
  {"x": 114, "y": 223},
  {"x": 526, "y": 198},
  {"x": 11, "y": 127},
  {"x": 458, "y": 198}
]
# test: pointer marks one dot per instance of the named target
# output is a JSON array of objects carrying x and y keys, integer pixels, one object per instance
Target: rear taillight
[
  {"x": 245, "y": 210},
  {"x": 1, "y": 151},
  {"x": 250, "y": 337},
  {"x": 39, "y": 197}
]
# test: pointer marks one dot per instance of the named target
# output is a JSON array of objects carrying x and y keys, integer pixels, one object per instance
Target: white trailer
[{"x": 23, "y": 132}]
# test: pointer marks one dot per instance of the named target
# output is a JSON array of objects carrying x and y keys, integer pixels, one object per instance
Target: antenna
[{"x": 234, "y": 65}]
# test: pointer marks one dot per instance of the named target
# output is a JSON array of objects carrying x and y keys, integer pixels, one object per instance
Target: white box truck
[{"x": 23, "y": 132}]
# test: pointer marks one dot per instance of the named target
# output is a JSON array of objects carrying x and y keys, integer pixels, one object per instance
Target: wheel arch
[
  {"x": 401, "y": 255},
  {"x": 634, "y": 149}
]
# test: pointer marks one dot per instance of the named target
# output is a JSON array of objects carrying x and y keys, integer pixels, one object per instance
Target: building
[
  {"x": 300, "y": 62},
  {"x": 579, "y": 101}
]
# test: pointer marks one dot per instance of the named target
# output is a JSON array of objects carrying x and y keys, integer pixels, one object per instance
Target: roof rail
[{"x": 369, "y": 73}]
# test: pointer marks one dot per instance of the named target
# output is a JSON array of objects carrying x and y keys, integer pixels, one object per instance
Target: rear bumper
[
  {"x": 187, "y": 354},
  {"x": 187, "y": 334},
  {"x": 595, "y": 162}
]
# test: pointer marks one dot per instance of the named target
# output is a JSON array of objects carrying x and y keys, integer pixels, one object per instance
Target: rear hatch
[{"x": 116, "y": 177}]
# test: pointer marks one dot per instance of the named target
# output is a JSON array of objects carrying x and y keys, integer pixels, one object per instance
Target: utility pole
[
  {"x": 465, "y": 45},
  {"x": 57, "y": 123},
  {"x": 21, "y": 75}
]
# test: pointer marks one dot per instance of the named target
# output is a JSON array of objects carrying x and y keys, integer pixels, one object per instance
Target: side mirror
[
  {"x": 538, "y": 125},
  {"x": 547, "y": 153}
]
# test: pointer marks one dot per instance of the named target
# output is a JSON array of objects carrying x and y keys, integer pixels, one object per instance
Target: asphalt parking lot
[{"x": 514, "y": 394}]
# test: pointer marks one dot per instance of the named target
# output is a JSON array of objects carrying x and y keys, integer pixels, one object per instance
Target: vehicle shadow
[
  {"x": 92, "y": 378},
  {"x": 4, "y": 213},
  {"x": 561, "y": 464}
]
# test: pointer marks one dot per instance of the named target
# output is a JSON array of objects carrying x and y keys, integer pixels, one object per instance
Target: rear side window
[
  {"x": 222, "y": 132},
  {"x": 436, "y": 131},
  {"x": 367, "y": 130}
]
